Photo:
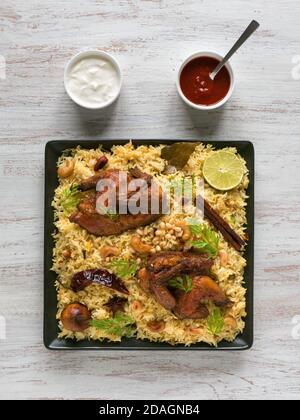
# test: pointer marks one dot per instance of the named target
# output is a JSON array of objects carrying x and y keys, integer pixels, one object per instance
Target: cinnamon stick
[{"x": 228, "y": 233}]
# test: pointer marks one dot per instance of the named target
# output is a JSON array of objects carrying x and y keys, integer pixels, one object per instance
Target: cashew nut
[
  {"x": 194, "y": 331},
  {"x": 186, "y": 231},
  {"x": 139, "y": 246},
  {"x": 156, "y": 326},
  {"x": 223, "y": 257},
  {"x": 66, "y": 168},
  {"x": 230, "y": 321},
  {"x": 136, "y": 305},
  {"x": 108, "y": 251}
]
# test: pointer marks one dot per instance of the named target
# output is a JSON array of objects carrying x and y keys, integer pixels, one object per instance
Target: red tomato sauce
[{"x": 196, "y": 84}]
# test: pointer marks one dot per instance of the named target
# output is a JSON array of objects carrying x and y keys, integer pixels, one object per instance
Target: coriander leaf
[
  {"x": 108, "y": 212},
  {"x": 199, "y": 244},
  {"x": 183, "y": 186},
  {"x": 184, "y": 283},
  {"x": 70, "y": 197},
  {"x": 195, "y": 226},
  {"x": 120, "y": 325},
  {"x": 207, "y": 239},
  {"x": 215, "y": 322},
  {"x": 195, "y": 229},
  {"x": 124, "y": 268},
  {"x": 233, "y": 218},
  {"x": 113, "y": 216},
  {"x": 205, "y": 247}
]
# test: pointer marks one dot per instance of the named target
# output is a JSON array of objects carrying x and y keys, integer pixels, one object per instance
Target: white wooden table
[{"x": 150, "y": 39}]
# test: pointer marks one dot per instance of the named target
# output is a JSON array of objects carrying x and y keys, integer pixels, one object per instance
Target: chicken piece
[
  {"x": 87, "y": 205},
  {"x": 190, "y": 305},
  {"x": 91, "y": 182},
  {"x": 116, "y": 176},
  {"x": 159, "y": 289},
  {"x": 104, "y": 224},
  {"x": 163, "y": 295},
  {"x": 137, "y": 174},
  {"x": 164, "y": 266}
]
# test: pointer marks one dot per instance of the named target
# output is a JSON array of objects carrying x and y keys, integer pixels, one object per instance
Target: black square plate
[{"x": 51, "y": 330}]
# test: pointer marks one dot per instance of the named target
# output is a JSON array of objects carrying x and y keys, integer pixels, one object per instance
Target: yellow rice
[{"x": 230, "y": 205}]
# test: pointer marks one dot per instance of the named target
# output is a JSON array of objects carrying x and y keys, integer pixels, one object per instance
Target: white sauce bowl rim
[{"x": 91, "y": 53}]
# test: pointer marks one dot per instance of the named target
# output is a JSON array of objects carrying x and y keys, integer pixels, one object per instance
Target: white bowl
[
  {"x": 85, "y": 54},
  {"x": 217, "y": 104}
]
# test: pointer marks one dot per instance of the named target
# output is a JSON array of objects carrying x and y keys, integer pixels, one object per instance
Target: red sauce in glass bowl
[{"x": 197, "y": 86}]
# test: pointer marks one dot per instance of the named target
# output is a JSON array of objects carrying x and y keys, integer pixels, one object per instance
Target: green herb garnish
[
  {"x": 184, "y": 283},
  {"x": 185, "y": 186},
  {"x": 112, "y": 215},
  {"x": 109, "y": 212},
  {"x": 124, "y": 268},
  {"x": 207, "y": 239},
  {"x": 232, "y": 218},
  {"x": 194, "y": 226},
  {"x": 120, "y": 325},
  {"x": 215, "y": 322},
  {"x": 70, "y": 198}
]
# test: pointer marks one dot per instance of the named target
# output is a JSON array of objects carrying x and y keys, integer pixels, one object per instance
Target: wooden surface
[{"x": 150, "y": 39}]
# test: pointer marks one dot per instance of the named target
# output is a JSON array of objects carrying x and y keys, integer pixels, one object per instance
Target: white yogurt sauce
[{"x": 93, "y": 81}]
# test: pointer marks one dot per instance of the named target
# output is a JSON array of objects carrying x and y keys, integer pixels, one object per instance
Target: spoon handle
[{"x": 245, "y": 35}]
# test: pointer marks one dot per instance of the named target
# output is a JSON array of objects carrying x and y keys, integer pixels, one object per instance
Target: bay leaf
[{"x": 178, "y": 154}]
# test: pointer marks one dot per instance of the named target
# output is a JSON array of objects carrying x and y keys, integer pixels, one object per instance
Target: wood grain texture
[{"x": 150, "y": 39}]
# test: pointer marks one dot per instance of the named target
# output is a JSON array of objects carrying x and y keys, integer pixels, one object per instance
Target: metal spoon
[{"x": 245, "y": 35}]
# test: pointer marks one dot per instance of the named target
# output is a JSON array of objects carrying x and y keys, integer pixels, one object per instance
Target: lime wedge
[{"x": 223, "y": 170}]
